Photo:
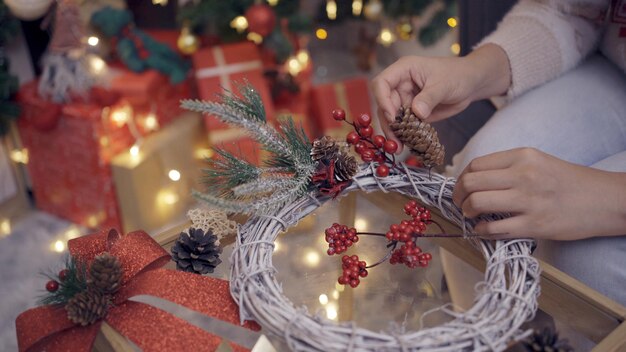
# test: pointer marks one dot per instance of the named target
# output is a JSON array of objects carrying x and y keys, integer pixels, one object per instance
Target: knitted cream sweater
[{"x": 544, "y": 38}]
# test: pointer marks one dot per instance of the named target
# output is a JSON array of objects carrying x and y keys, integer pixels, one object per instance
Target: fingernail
[{"x": 422, "y": 109}]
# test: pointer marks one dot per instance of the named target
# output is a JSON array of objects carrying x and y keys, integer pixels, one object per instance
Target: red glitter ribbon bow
[{"x": 151, "y": 329}]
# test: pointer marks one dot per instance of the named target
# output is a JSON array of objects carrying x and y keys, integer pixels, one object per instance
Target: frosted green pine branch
[{"x": 227, "y": 171}]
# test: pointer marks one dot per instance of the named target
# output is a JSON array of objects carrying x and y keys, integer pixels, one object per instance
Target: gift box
[
  {"x": 350, "y": 95},
  {"x": 222, "y": 67},
  {"x": 71, "y": 145},
  {"x": 154, "y": 186}
]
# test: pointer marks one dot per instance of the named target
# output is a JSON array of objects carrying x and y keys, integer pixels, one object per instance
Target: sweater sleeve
[{"x": 545, "y": 38}]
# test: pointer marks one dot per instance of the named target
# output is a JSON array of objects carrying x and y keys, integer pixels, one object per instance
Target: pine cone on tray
[
  {"x": 419, "y": 136},
  {"x": 324, "y": 148},
  {"x": 546, "y": 340},
  {"x": 105, "y": 274},
  {"x": 87, "y": 307},
  {"x": 196, "y": 251},
  {"x": 345, "y": 167}
]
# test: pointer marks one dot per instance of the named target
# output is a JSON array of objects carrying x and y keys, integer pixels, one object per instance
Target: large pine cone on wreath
[
  {"x": 196, "y": 251},
  {"x": 87, "y": 307},
  {"x": 105, "y": 273},
  {"x": 419, "y": 136}
]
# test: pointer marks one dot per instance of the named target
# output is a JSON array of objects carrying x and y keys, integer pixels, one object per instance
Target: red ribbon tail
[
  {"x": 47, "y": 328},
  {"x": 202, "y": 294},
  {"x": 152, "y": 329}
]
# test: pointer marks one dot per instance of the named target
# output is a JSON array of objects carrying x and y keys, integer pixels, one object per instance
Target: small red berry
[
  {"x": 364, "y": 120},
  {"x": 353, "y": 138},
  {"x": 382, "y": 171},
  {"x": 390, "y": 146},
  {"x": 366, "y": 131},
  {"x": 379, "y": 158},
  {"x": 360, "y": 147},
  {"x": 52, "y": 286},
  {"x": 63, "y": 274},
  {"x": 379, "y": 140},
  {"x": 331, "y": 251},
  {"x": 354, "y": 283},
  {"x": 367, "y": 155},
  {"x": 339, "y": 114}
]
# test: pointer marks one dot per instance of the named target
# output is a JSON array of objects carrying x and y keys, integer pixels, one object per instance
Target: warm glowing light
[
  {"x": 331, "y": 9},
  {"x": 339, "y": 287},
  {"x": 73, "y": 231},
  {"x": 104, "y": 141},
  {"x": 321, "y": 34},
  {"x": 303, "y": 57},
  {"x": 92, "y": 221},
  {"x": 239, "y": 23},
  {"x": 98, "y": 65},
  {"x": 159, "y": 2},
  {"x": 455, "y": 48},
  {"x": 336, "y": 294},
  {"x": 386, "y": 37},
  {"x": 312, "y": 258},
  {"x": 120, "y": 116},
  {"x": 277, "y": 246},
  {"x": 272, "y": 2},
  {"x": 360, "y": 224},
  {"x": 256, "y": 38},
  {"x": 151, "y": 123},
  {"x": 19, "y": 156},
  {"x": 203, "y": 153},
  {"x": 331, "y": 313},
  {"x": 167, "y": 197},
  {"x": 134, "y": 151},
  {"x": 174, "y": 175},
  {"x": 59, "y": 246},
  {"x": 323, "y": 299},
  {"x": 357, "y": 7},
  {"x": 93, "y": 41},
  {"x": 294, "y": 66},
  {"x": 452, "y": 22},
  {"x": 5, "y": 227}
]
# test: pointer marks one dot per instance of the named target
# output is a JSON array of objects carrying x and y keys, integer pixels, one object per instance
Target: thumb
[{"x": 424, "y": 103}]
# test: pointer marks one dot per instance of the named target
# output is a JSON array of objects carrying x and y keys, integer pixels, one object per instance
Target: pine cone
[
  {"x": 546, "y": 340},
  {"x": 324, "y": 148},
  {"x": 419, "y": 136},
  {"x": 196, "y": 251},
  {"x": 105, "y": 274},
  {"x": 87, "y": 307},
  {"x": 345, "y": 167}
]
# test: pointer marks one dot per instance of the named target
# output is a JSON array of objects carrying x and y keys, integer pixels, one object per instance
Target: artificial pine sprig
[
  {"x": 73, "y": 282},
  {"x": 234, "y": 184}
]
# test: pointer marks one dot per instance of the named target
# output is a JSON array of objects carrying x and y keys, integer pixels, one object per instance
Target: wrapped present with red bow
[
  {"x": 224, "y": 67},
  {"x": 351, "y": 95},
  {"x": 105, "y": 272}
]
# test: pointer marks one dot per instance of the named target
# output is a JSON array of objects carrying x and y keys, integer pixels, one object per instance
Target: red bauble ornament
[
  {"x": 261, "y": 19},
  {"x": 52, "y": 286}
]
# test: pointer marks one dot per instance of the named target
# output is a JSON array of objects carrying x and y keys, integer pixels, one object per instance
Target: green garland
[
  {"x": 75, "y": 281},
  {"x": 234, "y": 184}
]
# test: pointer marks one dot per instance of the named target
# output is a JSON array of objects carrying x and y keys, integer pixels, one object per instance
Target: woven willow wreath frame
[{"x": 491, "y": 324}]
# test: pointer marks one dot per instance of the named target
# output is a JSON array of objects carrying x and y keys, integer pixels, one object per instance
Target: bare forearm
[{"x": 607, "y": 204}]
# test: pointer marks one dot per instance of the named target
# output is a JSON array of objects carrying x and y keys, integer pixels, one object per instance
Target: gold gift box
[{"x": 154, "y": 179}]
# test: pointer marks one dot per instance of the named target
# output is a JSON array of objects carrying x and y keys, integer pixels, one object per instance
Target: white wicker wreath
[{"x": 491, "y": 324}]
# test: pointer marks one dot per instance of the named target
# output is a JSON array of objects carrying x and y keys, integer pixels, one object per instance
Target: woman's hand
[
  {"x": 546, "y": 196},
  {"x": 437, "y": 88}
]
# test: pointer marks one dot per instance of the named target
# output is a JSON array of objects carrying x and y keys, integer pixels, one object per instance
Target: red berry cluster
[
  {"x": 371, "y": 148},
  {"x": 353, "y": 269},
  {"x": 340, "y": 238},
  {"x": 410, "y": 253}
]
